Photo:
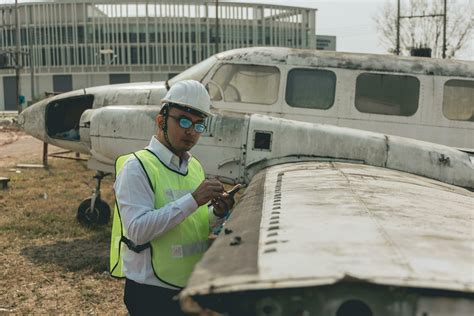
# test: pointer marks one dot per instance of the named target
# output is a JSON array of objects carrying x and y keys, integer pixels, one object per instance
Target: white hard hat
[{"x": 191, "y": 94}]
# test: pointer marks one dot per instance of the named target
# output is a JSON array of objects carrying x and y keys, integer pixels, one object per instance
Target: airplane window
[
  {"x": 196, "y": 72},
  {"x": 387, "y": 94},
  {"x": 311, "y": 88},
  {"x": 262, "y": 140},
  {"x": 246, "y": 83},
  {"x": 214, "y": 91},
  {"x": 458, "y": 100}
]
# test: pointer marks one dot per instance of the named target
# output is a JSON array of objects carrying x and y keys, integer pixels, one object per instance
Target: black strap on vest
[{"x": 131, "y": 245}]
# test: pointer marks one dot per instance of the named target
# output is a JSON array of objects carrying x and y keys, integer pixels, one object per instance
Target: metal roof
[{"x": 133, "y": 2}]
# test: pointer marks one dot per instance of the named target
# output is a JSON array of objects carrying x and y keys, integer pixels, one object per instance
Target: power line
[{"x": 399, "y": 17}]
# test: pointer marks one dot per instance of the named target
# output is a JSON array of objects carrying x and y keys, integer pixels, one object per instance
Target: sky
[{"x": 351, "y": 21}]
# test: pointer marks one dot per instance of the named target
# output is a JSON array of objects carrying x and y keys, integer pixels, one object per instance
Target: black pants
[{"x": 142, "y": 299}]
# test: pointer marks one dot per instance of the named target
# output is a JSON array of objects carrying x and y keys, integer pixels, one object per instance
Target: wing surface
[{"x": 319, "y": 223}]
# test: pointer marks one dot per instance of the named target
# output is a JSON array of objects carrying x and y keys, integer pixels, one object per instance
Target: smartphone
[
  {"x": 231, "y": 193},
  {"x": 234, "y": 190}
]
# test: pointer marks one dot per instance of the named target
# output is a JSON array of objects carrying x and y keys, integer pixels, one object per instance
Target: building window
[
  {"x": 134, "y": 55},
  {"x": 311, "y": 88},
  {"x": 245, "y": 84},
  {"x": 62, "y": 83},
  {"x": 387, "y": 94},
  {"x": 119, "y": 78},
  {"x": 458, "y": 100}
]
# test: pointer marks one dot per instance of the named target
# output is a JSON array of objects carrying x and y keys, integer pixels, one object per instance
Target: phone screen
[{"x": 234, "y": 190}]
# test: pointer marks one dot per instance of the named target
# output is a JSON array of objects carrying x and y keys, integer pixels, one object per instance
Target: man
[{"x": 162, "y": 219}]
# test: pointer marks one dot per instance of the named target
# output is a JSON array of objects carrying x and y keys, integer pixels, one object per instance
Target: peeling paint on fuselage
[{"x": 368, "y": 62}]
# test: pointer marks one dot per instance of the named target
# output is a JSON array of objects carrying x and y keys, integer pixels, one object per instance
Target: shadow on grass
[{"x": 87, "y": 255}]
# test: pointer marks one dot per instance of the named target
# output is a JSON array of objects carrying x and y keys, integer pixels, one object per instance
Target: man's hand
[
  {"x": 223, "y": 203},
  {"x": 208, "y": 190}
]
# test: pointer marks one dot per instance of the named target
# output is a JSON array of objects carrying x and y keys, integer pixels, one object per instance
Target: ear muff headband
[{"x": 165, "y": 112}]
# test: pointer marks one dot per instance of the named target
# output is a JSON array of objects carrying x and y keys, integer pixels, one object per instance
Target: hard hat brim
[{"x": 207, "y": 114}]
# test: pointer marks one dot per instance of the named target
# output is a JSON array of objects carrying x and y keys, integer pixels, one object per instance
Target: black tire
[{"x": 99, "y": 216}]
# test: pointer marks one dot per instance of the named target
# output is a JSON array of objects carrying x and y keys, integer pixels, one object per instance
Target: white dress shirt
[{"x": 141, "y": 220}]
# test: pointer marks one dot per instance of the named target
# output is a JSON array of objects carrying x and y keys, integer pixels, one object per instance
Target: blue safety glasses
[{"x": 187, "y": 123}]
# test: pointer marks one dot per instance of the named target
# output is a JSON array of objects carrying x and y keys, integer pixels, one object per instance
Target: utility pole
[
  {"x": 397, "y": 51},
  {"x": 17, "y": 58},
  {"x": 444, "y": 30},
  {"x": 444, "y": 15},
  {"x": 32, "y": 68},
  {"x": 217, "y": 26},
  {"x": 32, "y": 72}
]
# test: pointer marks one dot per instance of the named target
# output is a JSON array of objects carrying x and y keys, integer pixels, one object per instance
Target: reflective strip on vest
[{"x": 179, "y": 251}]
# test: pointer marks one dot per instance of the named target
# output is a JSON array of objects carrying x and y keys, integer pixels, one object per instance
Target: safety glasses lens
[
  {"x": 185, "y": 123},
  {"x": 199, "y": 127}
]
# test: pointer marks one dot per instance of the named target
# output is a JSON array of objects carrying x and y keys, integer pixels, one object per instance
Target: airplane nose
[{"x": 32, "y": 120}]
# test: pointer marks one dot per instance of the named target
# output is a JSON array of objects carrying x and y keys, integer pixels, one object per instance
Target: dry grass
[{"x": 49, "y": 263}]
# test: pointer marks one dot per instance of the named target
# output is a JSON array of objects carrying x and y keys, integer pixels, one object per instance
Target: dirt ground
[
  {"x": 16, "y": 146},
  {"x": 49, "y": 264}
]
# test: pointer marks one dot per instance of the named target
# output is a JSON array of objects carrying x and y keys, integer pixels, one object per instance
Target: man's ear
[{"x": 160, "y": 121}]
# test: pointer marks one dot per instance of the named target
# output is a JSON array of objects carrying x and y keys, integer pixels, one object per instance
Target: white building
[{"x": 78, "y": 44}]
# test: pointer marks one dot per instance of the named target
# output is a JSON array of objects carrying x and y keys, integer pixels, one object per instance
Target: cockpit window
[
  {"x": 458, "y": 100},
  {"x": 311, "y": 88},
  {"x": 387, "y": 94},
  {"x": 196, "y": 72},
  {"x": 245, "y": 84}
]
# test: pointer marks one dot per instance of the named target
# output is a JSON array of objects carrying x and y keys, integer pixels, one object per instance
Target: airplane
[
  {"x": 333, "y": 220},
  {"x": 277, "y": 82},
  {"x": 421, "y": 98}
]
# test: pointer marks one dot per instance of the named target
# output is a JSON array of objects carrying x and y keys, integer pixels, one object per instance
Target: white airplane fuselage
[{"x": 429, "y": 100}]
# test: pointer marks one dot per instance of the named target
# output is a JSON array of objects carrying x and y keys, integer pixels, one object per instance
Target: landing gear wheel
[{"x": 100, "y": 215}]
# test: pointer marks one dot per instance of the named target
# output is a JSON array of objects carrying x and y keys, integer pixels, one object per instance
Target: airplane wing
[{"x": 310, "y": 238}]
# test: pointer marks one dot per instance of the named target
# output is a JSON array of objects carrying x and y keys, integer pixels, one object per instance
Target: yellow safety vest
[{"x": 175, "y": 253}]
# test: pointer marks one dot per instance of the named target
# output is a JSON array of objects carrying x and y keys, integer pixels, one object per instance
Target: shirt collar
[{"x": 166, "y": 155}]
